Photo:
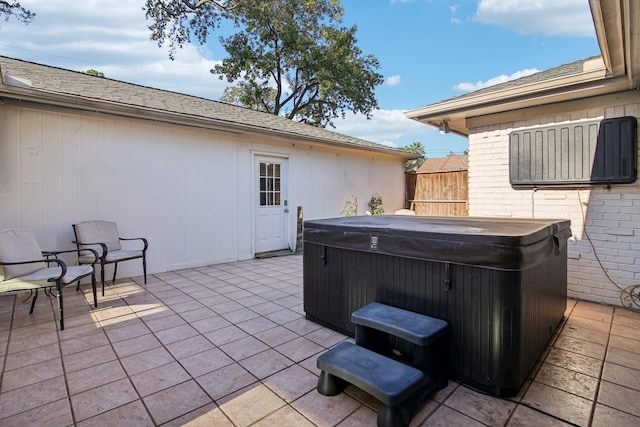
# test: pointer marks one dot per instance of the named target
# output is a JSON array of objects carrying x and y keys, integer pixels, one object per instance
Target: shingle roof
[
  {"x": 48, "y": 79},
  {"x": 451, "y": 163},
  {"x": 550, "y": 74}
]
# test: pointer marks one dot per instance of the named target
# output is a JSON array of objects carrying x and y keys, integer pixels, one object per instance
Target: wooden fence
[{"x": 438, "y": 194}]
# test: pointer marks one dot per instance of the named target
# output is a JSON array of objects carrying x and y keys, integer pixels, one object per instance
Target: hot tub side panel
[{"x": 500, "y": 321}]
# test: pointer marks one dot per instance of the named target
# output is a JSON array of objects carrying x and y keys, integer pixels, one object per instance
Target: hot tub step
[
  {"x": 417, "y": 328},
  {"x": 391, "y": 382}
]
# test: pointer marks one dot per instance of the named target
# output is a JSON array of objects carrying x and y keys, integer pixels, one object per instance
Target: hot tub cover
[{"x": 510, "y": 244}]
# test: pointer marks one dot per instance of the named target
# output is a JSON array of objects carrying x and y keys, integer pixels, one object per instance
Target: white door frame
[{"x": 285, "y": 190}]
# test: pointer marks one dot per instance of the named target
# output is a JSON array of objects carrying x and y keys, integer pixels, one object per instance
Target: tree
[
  {"x": 417, "y": 148},
  {"x": 290, "y": 57},
  {"x": 93, "y": 72},
  {"x": 9, "y": 9}
]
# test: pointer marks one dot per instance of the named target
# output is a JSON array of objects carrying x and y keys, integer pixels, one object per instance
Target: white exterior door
[{"x": 271, "y": 204}]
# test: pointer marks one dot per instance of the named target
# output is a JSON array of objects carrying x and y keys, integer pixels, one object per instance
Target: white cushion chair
[
  {"x": 23, "y": 266},
  {"x": 104, "y": 239}
]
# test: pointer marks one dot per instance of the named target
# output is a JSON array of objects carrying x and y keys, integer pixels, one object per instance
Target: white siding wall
[
  {"x": 612, "y": 216},
  {"x": 189, "y": 191}
]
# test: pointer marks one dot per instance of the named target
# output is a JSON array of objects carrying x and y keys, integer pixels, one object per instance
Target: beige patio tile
[
  {"x": 568, "y": 380},
  {"x": 302, "y": 326},
  {"x": 94, "y": 376},
  {"x": 299, "y": 349},
  {"x": 588, "y": 323},
  {"x": 31, "y": 330},
  {"x": 136, "y": 345},
  {"x": 129, "y": 331},
  {"x": 32, "y": 396},
  {"x": 60, "y": 411},
  {"x": 326, "y": 337},
  {"x": 624, "y": 331},
  {"x": 29, "y": 343},
  {"x": 132, "y": 414},
  {"x": 164, "y": 322},
  {"x": 197, "y": 314},
  {"x": 619, "y": 397},
  {"x": 266, "y": 308},
  {"x": 631, "y": 345},
  {"x": 579, "y": 346},
  {"x": 102, "y": 399},
  {"x": 146, "y": 360},
  {"x": 240, "y": 315},
  {"x": 291, "y": 383},
  {"x": 205, "y": 416},
  {"x": 276, "y": 336},
  {"x": 622, "y": 375},
  {"x": 243, "y": 348},
  {"x": 362, "y": 417},
  {"x": 31, "y": 374},
  {"x": 205, "y": 362},
  {"x": 527, "y": 417},
  {"x": 605, "y": 416},
  {"x": 266, "y": 363},
  {"x": 481, "y": 407},
  {"x": 190, "y": 346},
  {"x": 575, "y": 362},
  {"x": 250, "y": 404},
  {"x": 211, "y": 323},
  {"x": 225, "y": 335},
  {"x": 629, "y": 359},
  {"x": 85, "y": 359},
  {"x": 283, "y": 316},
  {"x": 586, "y": 334},
  {"x": 225, "y": 381},
  {"x": 326, "y": 410},
  {"x": 255, "y": 325},
  {"x": 563, "y": 405},
  {"x": 159, "y": 378},
  {"x": 33, "y": 356},
  {"x": 176, "y": 401},
  {"x": 85, "y": 342},
  {"x": 285, "y": 417},
  {"x": 177, "y": 333}
]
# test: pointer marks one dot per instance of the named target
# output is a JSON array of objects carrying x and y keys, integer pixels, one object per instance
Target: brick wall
[{"x": 611, "y": 221}]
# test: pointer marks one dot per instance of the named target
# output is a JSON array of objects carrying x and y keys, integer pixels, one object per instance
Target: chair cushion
[
  {"x": 123, "y": 254},
  {"x": 33, "y": 280},
  {"x": 75, "y": 272},
  {"x": 99, "y": 232},
  {"x": 16, "y": 246}
]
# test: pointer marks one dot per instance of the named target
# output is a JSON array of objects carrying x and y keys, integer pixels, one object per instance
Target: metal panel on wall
[{"x": 583, "y": 153}]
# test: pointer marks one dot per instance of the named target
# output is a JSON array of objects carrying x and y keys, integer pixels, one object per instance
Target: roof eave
[
  {"x": 456, "y": 110},
  {"x": 75, "y": 102}
]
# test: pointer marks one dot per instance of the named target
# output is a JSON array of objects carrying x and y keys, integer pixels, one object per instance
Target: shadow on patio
[{"x": 228, "y": 345}]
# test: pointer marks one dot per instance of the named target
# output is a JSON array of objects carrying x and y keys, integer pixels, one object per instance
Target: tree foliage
[
  {"x": 13, "y": 8},
  {"x": 290, "y": 57},
  {"x": 417, "y": 148},
  {"x": 93, "y": 72}
]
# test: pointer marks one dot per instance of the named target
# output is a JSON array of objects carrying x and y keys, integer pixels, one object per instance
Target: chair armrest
[
  {"x": 146, "y": 244},
  {"x": 60, "y": 263},
  {"x": 95, "y": 253},
  {"x": 56, "y": 253}
]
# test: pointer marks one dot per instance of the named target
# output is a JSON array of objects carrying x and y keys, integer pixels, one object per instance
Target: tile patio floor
[{"x": 228, "y": 345}]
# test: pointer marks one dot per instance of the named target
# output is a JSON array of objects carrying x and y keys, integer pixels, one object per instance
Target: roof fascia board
[
  {"x": 559, "y": 85},
  {"x": 556, "y": 109}
]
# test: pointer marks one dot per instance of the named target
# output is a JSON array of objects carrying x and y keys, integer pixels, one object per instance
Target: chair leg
[
  {"x": 102, "y": 276},
  {"x": 33, "y": 301},
  {"x": 115, "y": 270},
  {"x": 93, "y": 287},
  {"x": 60, "y": 307},
  {"x": 144, "y": 268}
]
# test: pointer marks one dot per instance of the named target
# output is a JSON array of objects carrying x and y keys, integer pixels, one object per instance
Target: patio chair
[
  {"x": 23, "y": 266},
  {"x": 103, "y": 238}
]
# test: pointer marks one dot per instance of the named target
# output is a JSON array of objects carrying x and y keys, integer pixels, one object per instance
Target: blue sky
[{"x": 429, "y": 50}]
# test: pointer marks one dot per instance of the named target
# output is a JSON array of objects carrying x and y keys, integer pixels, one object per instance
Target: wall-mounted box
[{"x": 575, "y": 154}]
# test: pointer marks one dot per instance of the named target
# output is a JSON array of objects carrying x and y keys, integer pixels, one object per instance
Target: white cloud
[
  {"x": 545, "y": 17},
  {"x": 388, "y": 127},
  {"x": 110, "y": 36},
  {"x": 393, "y": 80},
  {"x": 470, "y": 87}
]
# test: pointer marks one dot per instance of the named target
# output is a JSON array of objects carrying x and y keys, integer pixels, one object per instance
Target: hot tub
[{"x": 500, "y": 283}]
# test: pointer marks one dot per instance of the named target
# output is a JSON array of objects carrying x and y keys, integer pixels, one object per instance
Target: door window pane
[{"x": 270, "y": 184}]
